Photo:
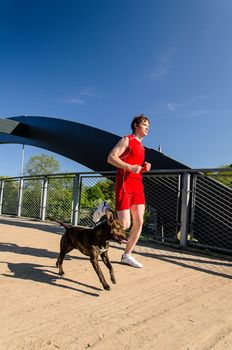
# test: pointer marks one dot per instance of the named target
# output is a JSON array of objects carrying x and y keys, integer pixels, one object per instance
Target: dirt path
[{"x": 177, "y": 301}]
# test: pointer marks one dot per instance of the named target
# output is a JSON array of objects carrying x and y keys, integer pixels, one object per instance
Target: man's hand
[
  {"x": 136, "y": 169},
  {"x": 146, "y": 167}
]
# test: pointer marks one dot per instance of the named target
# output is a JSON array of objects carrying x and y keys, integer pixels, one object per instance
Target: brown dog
[{"x": 92, "y": 242}]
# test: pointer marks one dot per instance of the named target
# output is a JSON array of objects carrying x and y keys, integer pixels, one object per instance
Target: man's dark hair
[{"x": 138, "y": 119}]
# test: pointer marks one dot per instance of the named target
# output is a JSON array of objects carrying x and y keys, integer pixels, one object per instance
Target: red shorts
[{"x": 125, "y": 200}]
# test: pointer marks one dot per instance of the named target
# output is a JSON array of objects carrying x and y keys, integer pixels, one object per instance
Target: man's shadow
[
  {"x": 40, "y": 273},
  {"x": 186, "y": 259}
]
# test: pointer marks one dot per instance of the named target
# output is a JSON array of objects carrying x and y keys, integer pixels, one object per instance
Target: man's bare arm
[{"x": 114, "y": 157}]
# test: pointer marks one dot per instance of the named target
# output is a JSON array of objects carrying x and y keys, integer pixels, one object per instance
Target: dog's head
[{"x": 117, "y": 232}]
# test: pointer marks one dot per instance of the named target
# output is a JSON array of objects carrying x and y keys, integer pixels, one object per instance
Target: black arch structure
[{"x": 84, "y": 144}]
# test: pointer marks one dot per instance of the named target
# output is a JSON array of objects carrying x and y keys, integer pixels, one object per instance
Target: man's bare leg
[{"x": 137, "y": 212}]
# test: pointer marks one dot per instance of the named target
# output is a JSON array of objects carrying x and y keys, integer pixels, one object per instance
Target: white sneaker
[
  {"x": 101, "y": 210},
  {"x": 130, "y": 260}
]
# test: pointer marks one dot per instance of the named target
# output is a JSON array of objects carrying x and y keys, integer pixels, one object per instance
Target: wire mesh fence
[
  {"x": 161, "y": 221},
  {"x": 31, "y": 197},
  {"x": 204, "y": 220},
  {"x": 59, "y": 198},
  {"x": 211, "y": 219},
  {"x": 10, "y": 197}
]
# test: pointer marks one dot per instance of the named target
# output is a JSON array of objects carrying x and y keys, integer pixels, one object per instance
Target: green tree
[
  {"x": 107, "y": 187},
  {"x": 42, "y": 164},
  {"x": 92, "y": 196},
  {"x": 225, "y": 177}
]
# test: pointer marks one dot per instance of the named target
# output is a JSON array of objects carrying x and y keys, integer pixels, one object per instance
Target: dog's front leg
[
  {"x": 95, "y": 263},
  {"x": 106, "y": 260},
  {"x": 65, "y": 248}
]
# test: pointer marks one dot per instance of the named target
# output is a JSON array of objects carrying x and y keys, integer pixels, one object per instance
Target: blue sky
[{"x": 101, "y": 62}]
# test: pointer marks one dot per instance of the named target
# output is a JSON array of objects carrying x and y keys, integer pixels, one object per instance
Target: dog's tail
[{"x": 64, "y": 224}]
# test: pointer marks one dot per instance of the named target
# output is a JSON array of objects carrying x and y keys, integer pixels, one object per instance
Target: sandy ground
[{"x": 179, "y": 300}]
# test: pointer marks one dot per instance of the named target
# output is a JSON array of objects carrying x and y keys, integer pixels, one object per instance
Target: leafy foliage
[
  {"x": 93, "y": 195},
  {"x": 224, "y": 177},
  {"x": 42, "y": 164}
]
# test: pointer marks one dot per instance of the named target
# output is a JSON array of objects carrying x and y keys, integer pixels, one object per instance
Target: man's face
[{"x": 142, "y": 128}]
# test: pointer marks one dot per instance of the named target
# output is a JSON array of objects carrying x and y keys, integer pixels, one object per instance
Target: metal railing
[{"x": 184, "y": 207}]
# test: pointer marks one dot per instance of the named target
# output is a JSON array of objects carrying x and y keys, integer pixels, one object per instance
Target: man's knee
[
  {"x": 124, "y": 218},
  {"x": 126, "y": 225},
  {"x": 125, "y": 222}
]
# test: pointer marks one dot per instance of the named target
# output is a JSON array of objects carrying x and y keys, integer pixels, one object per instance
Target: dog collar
[{"x": 103, "y": 250}]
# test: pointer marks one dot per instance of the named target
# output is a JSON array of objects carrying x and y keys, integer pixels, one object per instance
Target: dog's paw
[
  {"x": 113, "y": 280},
  {"x": 106, "y": 287}
]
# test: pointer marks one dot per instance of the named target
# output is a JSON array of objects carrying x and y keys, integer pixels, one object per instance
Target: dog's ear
[{"x": 110, "y": 216}]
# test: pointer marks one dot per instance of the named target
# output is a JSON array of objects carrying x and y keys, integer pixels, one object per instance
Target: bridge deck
[{"x": 179, "y": 300}]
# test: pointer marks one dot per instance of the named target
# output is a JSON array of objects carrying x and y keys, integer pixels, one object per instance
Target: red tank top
[{"x": 133, "y": 154}]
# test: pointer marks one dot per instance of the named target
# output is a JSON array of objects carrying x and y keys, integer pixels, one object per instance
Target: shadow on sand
[
  {"x": 40, "y": 273},
  {"x": 185, "y": 259},
  {"x": 38, "y": 252},
  {"x": 35, "y": 271},
  {"x": 38, "y": 225}
]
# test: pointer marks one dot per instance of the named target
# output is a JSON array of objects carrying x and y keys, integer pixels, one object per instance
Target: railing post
[
  {"x": 20, "y": 197},
  {"x": 76, "y": 199},
  {"x": 184, "y": 209},
  {"x": 1, "y": 195},
  {"x": 44, "y": 198}
]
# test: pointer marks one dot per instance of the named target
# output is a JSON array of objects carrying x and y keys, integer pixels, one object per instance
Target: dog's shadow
[
  {"x": 38, "y": 252},
  {"x": 37, "y": 272},
  {"x": 40, "y": 273}
]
